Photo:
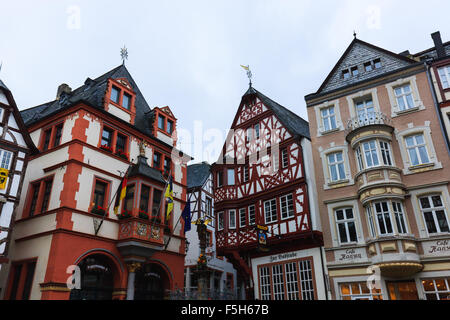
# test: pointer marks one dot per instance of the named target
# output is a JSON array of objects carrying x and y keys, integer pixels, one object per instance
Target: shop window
[
  {"x": 21, "y": 280},
  {"x": 436, "y": 289},
  {"x": 359, "y": 291}
]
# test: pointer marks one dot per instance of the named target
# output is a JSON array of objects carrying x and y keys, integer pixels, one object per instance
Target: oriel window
[
  {"x": 157, "y": 160},
  {"x": 145, "y": 197},
  {"x": 129, "y": 197}
]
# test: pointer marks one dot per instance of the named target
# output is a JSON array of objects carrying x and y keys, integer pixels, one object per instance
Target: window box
[
  {"x": 121, "y": 153},
  {"x": 98, "y": 210},
  {"x": 125, "y": 214},
  {"x": 143, "y": 215},
  {"x": 106, "y": 148},
  {"x": 155, "y": 219}
]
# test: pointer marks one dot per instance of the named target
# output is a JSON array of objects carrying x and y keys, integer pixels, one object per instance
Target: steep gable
[{"x": 356, "y": 55}]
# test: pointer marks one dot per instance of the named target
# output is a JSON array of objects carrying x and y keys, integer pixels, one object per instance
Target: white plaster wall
[
  {"x": 39, "y": 224},
  {"x": 161, "y": 136},
  {"x": 35, "y": 136},
  {"x": 119, "y": 113},
  {"x": 85, "y": 224}
]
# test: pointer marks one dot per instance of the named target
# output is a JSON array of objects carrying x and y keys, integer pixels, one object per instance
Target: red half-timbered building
[{"x": 263, "y": 187}]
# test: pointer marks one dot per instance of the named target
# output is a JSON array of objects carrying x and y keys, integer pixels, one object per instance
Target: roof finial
[
  {"x": 124, "y": 54},
  {"x": 249, "y": 74},
  {"x": 354, "y": 34}
]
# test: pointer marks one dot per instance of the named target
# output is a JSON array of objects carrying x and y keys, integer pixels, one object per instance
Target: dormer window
[
  {"x": 354, "y": 71},
  {"x": 115, "y": 95},
  {"x": 157, "y": 160},
  {"x": 161, "y": 120},
  {"x": 377, "y": 63},
  {"x": 169, "y": 126},
  {"x": 368, "y": 66},
  {"x": 126, "y": 102},
  {"x": 345, "y": 74}
]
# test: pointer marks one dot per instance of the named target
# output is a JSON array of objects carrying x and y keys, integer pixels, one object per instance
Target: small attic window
[
  {"x": 377, "y": 63},
  {"x": 354, "y": 71},
  {"x": 345, "y": 74},
  {"x": 368, "y": 66},
  {"x": 126, "y": 101},
  {"x": 115, "y": 94}
]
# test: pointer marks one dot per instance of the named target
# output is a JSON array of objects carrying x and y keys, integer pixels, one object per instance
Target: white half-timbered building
[
  {"x": 266, "y": 213},
  {"x": 222, "y": 282},
  {"x": 15, "y": 146}
]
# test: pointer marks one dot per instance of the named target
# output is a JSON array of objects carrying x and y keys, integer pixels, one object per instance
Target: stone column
[{"x": 132, "y": 267}]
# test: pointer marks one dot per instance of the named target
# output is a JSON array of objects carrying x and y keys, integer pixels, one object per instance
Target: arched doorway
[
  {"x": 97, "y": 279},
  {"x": 151, "y": 282}
]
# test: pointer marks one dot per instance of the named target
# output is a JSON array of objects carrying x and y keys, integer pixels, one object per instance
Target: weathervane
[
  {"x": 354, "y": 34},
  {"x": 124, "y": 54},
  {"x": 249, "y": 73}
]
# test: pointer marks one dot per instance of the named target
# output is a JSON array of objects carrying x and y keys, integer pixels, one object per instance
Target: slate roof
[
  {"x": 2, "y": 85},
  {"x": 93, "y": 92},
  {"x": 197, "y": 174},
  {"x": 141, "y": 168},
  {"x": 356, "y": 54},
  {"x": 294, "y": 123}
]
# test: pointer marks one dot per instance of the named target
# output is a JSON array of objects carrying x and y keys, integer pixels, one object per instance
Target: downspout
[
  {"x": 310, "y": 221},
  {"x": 436, "y": 105}
]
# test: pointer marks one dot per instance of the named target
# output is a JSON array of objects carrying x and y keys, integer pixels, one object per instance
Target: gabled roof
[
  {"x": 357, "y": 53},
  {"x": 293, "y": 123},
  {"x": 141, "y": 168},
  {"x": 197, "y": 174},
  {"x": 93, "y": 93}
]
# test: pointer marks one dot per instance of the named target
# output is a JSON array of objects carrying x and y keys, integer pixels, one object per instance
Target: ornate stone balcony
[{"x": 370, "y": 118}]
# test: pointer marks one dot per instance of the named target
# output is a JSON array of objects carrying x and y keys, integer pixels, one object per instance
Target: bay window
[
  {"x": 373, "y": 153},
  {"x": 388, "y": 217}
]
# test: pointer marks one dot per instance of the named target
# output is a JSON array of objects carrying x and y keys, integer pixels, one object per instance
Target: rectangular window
[
  {"x": 434, "y": 214},
  {"x": 251, "y": 215},
  {"x": 156, "y": 202},
  {"x": 242, "y": 213},
  {"x": 22, "y": 273},
  {"x": 167, "y": 164},
  {"x": 377, "y": 63},
  {"x": 444, "y": 74},
  {"x": 370, "y": 220},
  {"x": 126, "y": 101},
  {"x": 47, "y": 191},
  {"x": 278, "y": 283},
  {"x": 17, "y": 270},
  {"x": 157, "y": 160},
  {"x": 264, "y": 276},
  {"x": 306, "y": 279},
  {"x": 220, "y": 221},
  {"x": 115, "y": 94},
  {"x": 370, "y": 153},
  {"x": 34, "y": 198},
  {"x": 249, "y": 134},
  {"x": 365, "y": 111},
  {"x": 346, "y": 227},
  {"x": 292, "y": 288},
  {"x": 257, "y": 131},
  {"x": 284, "y": 158},
  {"x": 345, "y": 74},
  {"x": 417, "y": 150},
  {"x": 145, "y": 197},
  {"x": 161, "y": 121},
  {"x": 436, "y": 289},
  {"x": 245, "y": 173},
  {"x": 121, "y": 143},
  {"x": 208, "y": 209},
  {"x": 5, "y": 157},
  {"x": 129, "y": 198},
  {"x": 47, "y": 136},
  {"x": 107, "y": 135},
  {"x": 31, "y": 266},
  {"x": 100, "y": 193},
  {"x": 368, "y": 66},
  {"x": 359, "y": 158},
  {"x": 230, "y": 177},
  {"x": 385, "y": 153},
  {"x": 219, "y": 179},
  {"x": 404, "y": 98},
  {"x": 232, "y": 219},
  {"x": 328, "y": 118},
  {"x": 354, "y": 71},
  {"x": 359, "y": 291},
  {"x": 399, "y": 217},
  {"x": 287, "y": 206},
  {"x": 169, "y": 126},
  {"x": 58, "y": 134},
  {"x": 383, "y": 218},
  {"x": 270, "y": 211},
  {"x": 336, "y": 166}
]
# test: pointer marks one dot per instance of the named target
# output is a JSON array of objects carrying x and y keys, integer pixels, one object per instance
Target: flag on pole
[
  {"x": 186, "y": 214},
  {"x": 245, "y": 67},
  {"x": 121, "y": 192},
  {"x": 169, "y": 198}
]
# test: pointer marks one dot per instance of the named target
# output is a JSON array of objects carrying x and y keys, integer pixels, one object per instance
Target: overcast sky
[{"x": 186, "y": 54}]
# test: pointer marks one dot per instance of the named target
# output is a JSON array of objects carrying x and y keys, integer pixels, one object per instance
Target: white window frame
[
  {"x": 417, "y": 102},
  {"x": 220, "y": 221},
  {"x": 328, "y": 119},
  {"x": 337, "y": 163},
  {"x": 433, "y": 210},
  {"x": 371, "y": 153},
  {"x": 320, "y": 125},
  {"x": 402, "y": 97},
  {"x": 251, "y": 221},
  {"x": 287, "y": 209},
  {"x": 384, "y": 218},
  {"x": 232, "y": 219},
  {"x": 232, "y": 171},
  {"x": 284, "y": 158},
  {"x": 416, "y": 146},
  {"x": 271, "y": 213},
  {"x": 386, "y": 154},
  {"x": 345, "y": 221},
  {"x": 444, "y": 72},
  {"x": 242, "y": 216},
  {"x": 6, "y": 156},
  {"x": 436, "y": 291},
  {"x": 328, "y": 183},
  {"x": 399, "y": 217}
]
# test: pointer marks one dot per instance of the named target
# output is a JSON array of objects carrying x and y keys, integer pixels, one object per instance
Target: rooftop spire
[
  {"x": 249, "y": 74},
  {"x": 124, "y": 54},
  {"x": 354, "y": 34}
]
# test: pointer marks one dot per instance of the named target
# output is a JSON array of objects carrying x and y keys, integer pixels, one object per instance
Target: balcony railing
[{"x": 369, "y": 118}]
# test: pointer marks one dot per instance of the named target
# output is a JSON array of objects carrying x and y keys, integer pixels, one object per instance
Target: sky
[{"x": 187, "y": 54}]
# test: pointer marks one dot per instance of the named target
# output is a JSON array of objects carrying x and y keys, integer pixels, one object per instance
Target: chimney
[
  {"x": 438, "y": 44},
  {"x": 63, "y": 88}
]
